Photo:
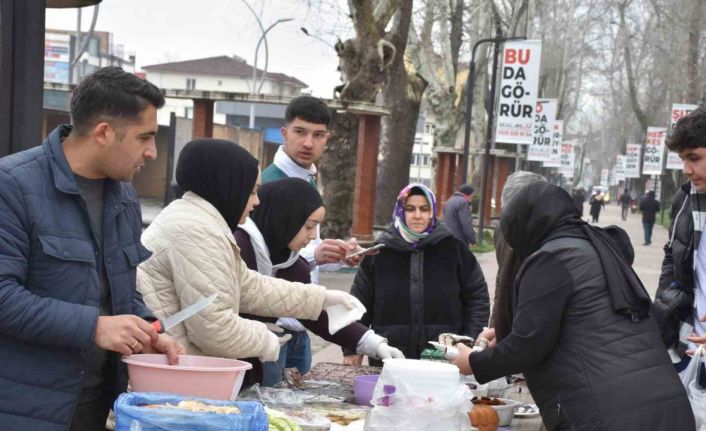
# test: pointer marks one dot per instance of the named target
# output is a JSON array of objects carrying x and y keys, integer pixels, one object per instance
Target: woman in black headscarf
[
  {"x": 286, "y": 220},
  {"x": 195, "y": 255},
  {"x": 582, "y": 335}
]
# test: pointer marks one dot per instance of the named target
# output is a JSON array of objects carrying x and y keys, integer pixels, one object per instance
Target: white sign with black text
[
  {"x": 632, "y": 160},
  {"x": 518, "y": 92},
  {"x": 544, "y": 116},
  {"x": 654, "y": 151}
]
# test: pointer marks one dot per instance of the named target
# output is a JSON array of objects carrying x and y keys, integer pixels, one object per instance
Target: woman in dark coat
[
  {"x": 286, "y": 219},
  {"x": 582, "y": 334},
  {"x": 424, "y": 282},
  {"x": 596, "y": 203}
]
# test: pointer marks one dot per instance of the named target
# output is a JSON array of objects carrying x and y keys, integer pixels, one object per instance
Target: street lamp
[
  {"x": 489, "y": 128},
  {"x": 255, "y": 87},
  {"x": 254, "y": 91}
]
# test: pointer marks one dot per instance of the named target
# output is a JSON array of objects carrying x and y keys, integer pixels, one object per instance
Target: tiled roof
[{"x": 220, "y": 66}]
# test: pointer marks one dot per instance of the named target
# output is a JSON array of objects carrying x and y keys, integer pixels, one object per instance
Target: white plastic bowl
[{"x": 506, "y": 412}]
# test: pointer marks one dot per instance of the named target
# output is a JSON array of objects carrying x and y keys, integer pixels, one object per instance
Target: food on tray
[
  {"x": 197, "y": 406},
  {"x": 451, "y": 340},
  {"x": 487, "y": 401},
  {"x": 343, "y": 417}
]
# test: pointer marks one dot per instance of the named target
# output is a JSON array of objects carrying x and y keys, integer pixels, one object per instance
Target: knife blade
[{"x": 164, "y": 325}]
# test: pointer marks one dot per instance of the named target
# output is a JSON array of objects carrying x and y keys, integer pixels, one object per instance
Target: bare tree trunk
[
  {"x": 364, "y": 62},
  {"x": 337, "y": 169},
  {"x": 403, "y": 95},
  {"x": 692, "y": 63},
  {"x": 629, "y": 71}
]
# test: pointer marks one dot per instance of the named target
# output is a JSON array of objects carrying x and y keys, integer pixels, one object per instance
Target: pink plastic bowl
[
  {"x": 197, "y": 376},
  {"x": 363, "y": 387}
]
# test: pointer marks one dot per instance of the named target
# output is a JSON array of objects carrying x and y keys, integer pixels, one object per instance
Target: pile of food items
[
  {"x": 196, "y": 406},
  {"x": 486, "y": 401}
]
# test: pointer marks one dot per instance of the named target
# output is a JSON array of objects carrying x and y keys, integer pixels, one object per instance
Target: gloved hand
[
  {"x": 278, "y": 330},
  {"x": 376, "y": 347},
  {"x": 337, "y": 297},
  {"x": 385, "y": 351}
]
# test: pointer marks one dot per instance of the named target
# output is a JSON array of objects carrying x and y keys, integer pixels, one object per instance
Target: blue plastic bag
[{"x": 130, "y": 416}]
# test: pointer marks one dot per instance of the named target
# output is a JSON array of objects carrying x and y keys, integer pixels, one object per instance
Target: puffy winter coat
[
  {"x": 414, "y": 294},
  {"x": 194, "y": 256},
  {"x": 587, "y": 367},
  {"x": 50, "y": 287},
  {"x": 674, "y": 301}
]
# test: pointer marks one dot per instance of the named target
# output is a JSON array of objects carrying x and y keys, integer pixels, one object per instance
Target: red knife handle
[{"x": 158, "y": 326}]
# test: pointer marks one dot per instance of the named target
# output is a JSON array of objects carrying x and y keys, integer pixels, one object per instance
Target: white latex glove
[
  {"x": 273, "y": 355},
  {"x": 337, "y": 297},
  {"x": 385, "y": 351},
  {"x": 376, "y": 347}
]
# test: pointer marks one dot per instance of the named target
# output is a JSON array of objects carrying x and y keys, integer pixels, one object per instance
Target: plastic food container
[
  {"x": 363, "y": 387},
  {"x": 197, "y": 376},
  {"x": 506, "y": 412}
]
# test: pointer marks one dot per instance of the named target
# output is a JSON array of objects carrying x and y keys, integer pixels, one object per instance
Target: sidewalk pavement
[{"x": 648, "y": 264}]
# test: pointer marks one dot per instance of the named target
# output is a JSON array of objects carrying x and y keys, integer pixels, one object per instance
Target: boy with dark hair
[
  {"x": 305, "y": 134},
  {"x": 69, "y": 247},
  {"x": 680, "y": 302}
]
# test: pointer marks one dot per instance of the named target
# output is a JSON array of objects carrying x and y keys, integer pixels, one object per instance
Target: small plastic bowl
[
  {"x": 506, "y": 412},
  {"x": 197, "y": 376},
  {"x": 363, "y": 387}
]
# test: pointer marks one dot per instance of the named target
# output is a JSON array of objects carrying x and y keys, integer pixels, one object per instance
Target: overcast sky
[{"x": 159, "y": 31}]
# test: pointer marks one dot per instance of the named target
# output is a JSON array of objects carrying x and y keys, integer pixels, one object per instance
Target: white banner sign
[
  {"x": 632, "y": 160},
  {"x": 620, "y": 167},
  {"x": 654, "y": 151},
  {"x": 568, "y": 158},
  {"x": 604, "y": 177},
  {"x": 555, "y": 153},
  {"x": 518, "y": 92},
  {"x": 654, "y": 184},
  {"x": 678, "y": 111},
  {"x": 544, "y": 115}
]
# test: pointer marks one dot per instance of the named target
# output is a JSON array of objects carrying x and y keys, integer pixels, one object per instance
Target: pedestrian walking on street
[
  {"x": 596, "y": 203},
  {"x": 649, "y": 206},
  {"x": 458, "y": 217},
  {"x": 581, "y": 334},
  {"x": 625, "y": 204}
]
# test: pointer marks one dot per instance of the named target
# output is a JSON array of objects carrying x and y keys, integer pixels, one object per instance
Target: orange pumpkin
[{"x": 485, "y": 418}]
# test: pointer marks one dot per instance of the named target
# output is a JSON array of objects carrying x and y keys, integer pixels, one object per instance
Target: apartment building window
[
  {"x": 425, "y": 160},
  {"x": 429, "y": 128},
  {"x": 415, "y": 159},
  {"x": 191, "y": 83}
]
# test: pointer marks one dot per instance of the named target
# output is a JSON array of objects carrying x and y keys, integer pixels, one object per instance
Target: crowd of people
[{"x": 80, "y": 282}]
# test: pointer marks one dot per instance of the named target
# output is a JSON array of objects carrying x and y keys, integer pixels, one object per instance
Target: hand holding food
[{"x": 462, "y": 361}]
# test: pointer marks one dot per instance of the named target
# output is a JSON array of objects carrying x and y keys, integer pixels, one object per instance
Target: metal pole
[
  {"x": 488, "y": 141},
  {"x": 469, "y": 105},
  {"x": 469, "y": 115},
  {"x": 255, "y": 89}
]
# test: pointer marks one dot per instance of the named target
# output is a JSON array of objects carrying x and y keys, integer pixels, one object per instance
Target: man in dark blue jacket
[{"x": 70, "y": 228}]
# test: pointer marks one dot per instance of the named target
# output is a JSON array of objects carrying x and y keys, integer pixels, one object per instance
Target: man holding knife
[{"x": 70, "y": 226}]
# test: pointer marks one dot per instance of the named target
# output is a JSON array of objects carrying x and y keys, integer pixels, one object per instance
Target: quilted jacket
[{"x": 195, "y": 255}]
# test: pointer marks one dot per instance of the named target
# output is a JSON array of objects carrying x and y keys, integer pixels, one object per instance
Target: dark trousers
[
  {"x": 648, "y": 231},
  {"x": 91, "y": 415},
  {"x": 624, "y": 213}
]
